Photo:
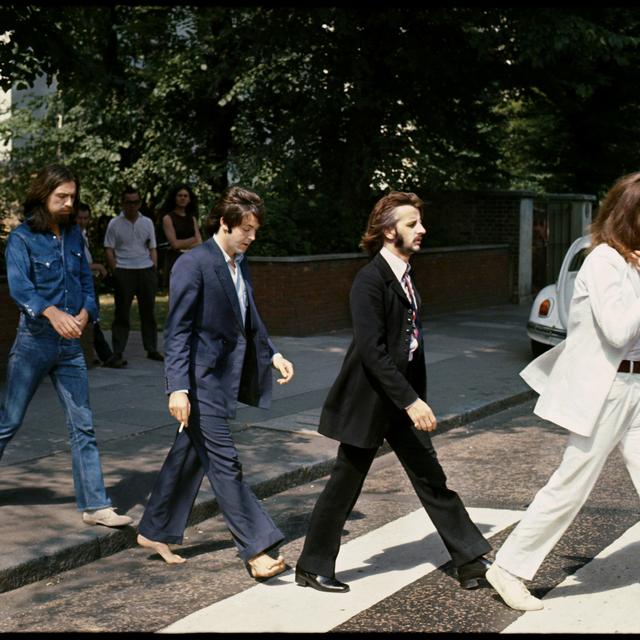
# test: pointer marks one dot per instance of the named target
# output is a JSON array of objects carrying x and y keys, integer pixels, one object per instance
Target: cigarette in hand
[{"x": 181, "y": 427}]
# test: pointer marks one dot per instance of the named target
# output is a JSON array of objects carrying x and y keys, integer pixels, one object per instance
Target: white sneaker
[
  {"x": 107, "y": 516},
  {"x": 511, "y": 590}
]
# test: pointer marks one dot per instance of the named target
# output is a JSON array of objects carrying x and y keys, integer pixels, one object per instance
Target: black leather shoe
[
  {"x": 155, "y": 355},
  {"x": 115, "y": 362},
  {"x": 321, "y": 583},
  {"x": 470, "y": 573}
]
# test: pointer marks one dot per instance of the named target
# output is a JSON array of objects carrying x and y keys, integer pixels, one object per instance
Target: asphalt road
[{"x": 398, "y": 570}]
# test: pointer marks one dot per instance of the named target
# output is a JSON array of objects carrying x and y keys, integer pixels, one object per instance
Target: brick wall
[
  {"x": 476, "y": 217},
  {"x": 310, "y": 294}
]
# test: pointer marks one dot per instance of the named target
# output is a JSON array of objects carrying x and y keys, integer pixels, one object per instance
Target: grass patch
[{"x": 107, "y": 308}]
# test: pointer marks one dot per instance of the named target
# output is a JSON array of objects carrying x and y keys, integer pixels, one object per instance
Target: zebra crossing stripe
[
  {"x": 375, "y": 565},
  {"x": 601, "y": 597}
]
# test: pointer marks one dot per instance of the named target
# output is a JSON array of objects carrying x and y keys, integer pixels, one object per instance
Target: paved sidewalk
[{"x": 473, "y": 360}]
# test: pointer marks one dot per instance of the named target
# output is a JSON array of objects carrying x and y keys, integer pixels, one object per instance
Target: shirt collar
[
  {"x": 239, "y": 256},
  {"x": 127, "y": 219},
  {"x": 398, "y": 265}
]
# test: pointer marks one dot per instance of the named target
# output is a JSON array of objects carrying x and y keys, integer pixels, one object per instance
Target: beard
[
  {"x": 401, "y": 246},
  {"x": 64, "y": 220}
]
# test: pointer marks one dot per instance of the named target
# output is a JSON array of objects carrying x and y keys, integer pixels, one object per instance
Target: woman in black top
[{"x": 180, "y": 225}]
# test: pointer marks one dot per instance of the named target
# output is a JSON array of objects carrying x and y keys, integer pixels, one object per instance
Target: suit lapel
[
  {"x": 391, "y": 280},
  {"x": 222, "y": 271}
]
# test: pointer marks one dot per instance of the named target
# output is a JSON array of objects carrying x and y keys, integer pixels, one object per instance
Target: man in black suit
[{"x": 380, "y": 393}]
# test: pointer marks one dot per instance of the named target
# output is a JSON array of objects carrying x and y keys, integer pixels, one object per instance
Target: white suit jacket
[{"x": 574, "y": 378}]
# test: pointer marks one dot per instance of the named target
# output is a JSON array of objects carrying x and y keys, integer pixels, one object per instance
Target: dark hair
[
  {"x": 235, "y": 203},
  {"x": 128, "y": 190},
  {"x": 49, "y": 178},
  {"x": 169, "y": 203},
  {"x": 84, "y": 207},
  {"x": 618, "y": 221},
  {"x": 383, "y": 217}
]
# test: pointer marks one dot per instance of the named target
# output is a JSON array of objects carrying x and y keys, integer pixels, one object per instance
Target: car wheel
[{"x": 538, "y": 348}]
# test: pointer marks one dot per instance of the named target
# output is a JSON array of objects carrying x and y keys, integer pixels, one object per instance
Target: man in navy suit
[{"x": 217, "y": 352}]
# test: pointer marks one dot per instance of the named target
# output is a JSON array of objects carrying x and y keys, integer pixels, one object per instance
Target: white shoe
[
  {"x": 107, "y": 516},
  {"x": 511, "y": 590}
]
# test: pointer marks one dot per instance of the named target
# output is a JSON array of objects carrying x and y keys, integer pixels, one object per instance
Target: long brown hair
[
  {"x": 49, "y": 178},
  {"x": 383, "y": 217},
  {"x": 618, "y": 221}
]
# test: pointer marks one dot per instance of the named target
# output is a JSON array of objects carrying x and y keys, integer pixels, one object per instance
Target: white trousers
[{"x": 558, "y": 502}]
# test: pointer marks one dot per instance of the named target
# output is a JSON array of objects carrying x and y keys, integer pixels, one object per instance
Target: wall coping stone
[
  {"x": 359, "y": 256},
  {"x": 505, "y": 193}
]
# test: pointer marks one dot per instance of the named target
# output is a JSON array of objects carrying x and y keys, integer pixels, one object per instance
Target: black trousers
[
  {"x": 143, "y": 284},
  {"x": 461, "y": 537},
  {"x": 100, "y": 344}
]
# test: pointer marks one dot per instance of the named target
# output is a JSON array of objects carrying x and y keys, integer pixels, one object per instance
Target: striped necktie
[{"x": 415, "y": 333}]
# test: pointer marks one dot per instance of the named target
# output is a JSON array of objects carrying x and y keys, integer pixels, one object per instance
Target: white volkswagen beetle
[{"x": 547, "y": 325}]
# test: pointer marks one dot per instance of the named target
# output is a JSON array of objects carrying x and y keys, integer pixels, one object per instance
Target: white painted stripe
[
  {"x": 602, "y": 597},
  {"x": 375, "y": 565}
]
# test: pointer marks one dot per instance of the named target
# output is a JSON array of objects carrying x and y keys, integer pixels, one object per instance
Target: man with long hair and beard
[
  {"x": 589, "y": 384},
  {"x": 50, "y": 280}
]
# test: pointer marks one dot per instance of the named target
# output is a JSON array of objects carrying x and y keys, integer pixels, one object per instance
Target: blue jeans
[{"x": 37, "y": 351}]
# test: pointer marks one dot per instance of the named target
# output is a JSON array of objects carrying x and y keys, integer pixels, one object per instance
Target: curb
[{"x": 118, "y": 540}]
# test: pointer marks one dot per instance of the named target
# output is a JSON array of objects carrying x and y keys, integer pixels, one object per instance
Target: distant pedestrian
[
  {"x": 130, "y": 248},
  {"x": 98, "y": 270},
  {"x": 218, "y": 353},
  {"x": 179, "y": 224},
  {"x": 588, "y": 384},
  {"x": 380, "y": 393},
  {"x": 50, "y": 280}
]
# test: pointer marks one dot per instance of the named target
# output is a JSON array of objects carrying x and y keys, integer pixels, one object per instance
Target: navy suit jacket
[{"x": 208, "y": 349}]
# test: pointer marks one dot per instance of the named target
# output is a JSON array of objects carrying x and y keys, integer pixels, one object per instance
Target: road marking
[
  {"x": 376, "y": 565},
  {"x": 601, "y": 597}
]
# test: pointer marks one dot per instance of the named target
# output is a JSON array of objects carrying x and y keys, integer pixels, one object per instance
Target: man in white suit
[{"x": 588, "y": 384}]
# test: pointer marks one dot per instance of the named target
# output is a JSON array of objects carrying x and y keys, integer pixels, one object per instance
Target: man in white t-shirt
[{"x": 130, "y": 249}]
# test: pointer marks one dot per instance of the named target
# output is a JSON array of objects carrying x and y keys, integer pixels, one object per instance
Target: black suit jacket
[{"x": 376, "y": 381}]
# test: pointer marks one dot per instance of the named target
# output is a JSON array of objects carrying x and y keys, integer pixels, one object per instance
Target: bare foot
[
  {"x": 161, "y": 548},
  {"x": 264, "y": 566}
]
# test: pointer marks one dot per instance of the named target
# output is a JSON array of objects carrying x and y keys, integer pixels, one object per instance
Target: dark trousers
[
  {"x": 461, "y": 537},
  {"x": 143, "y": 284},
  {"x": 206, "y": 446},
  {"x": 100, "y": 344}
]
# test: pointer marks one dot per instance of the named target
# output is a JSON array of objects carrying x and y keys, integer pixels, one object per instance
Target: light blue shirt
[{"x": 236, "y": 277}]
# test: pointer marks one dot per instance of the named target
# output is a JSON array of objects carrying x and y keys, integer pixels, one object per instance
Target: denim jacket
[{"x": 44, "y": 271}]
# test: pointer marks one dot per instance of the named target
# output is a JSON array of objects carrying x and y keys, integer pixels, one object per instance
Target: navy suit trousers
[{"x": 206, "y": 447}]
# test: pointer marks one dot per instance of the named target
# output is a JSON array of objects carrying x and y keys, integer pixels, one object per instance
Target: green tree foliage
[
  {"x": 322, "y": 109},
  {"x": 573, "y": 113}
]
